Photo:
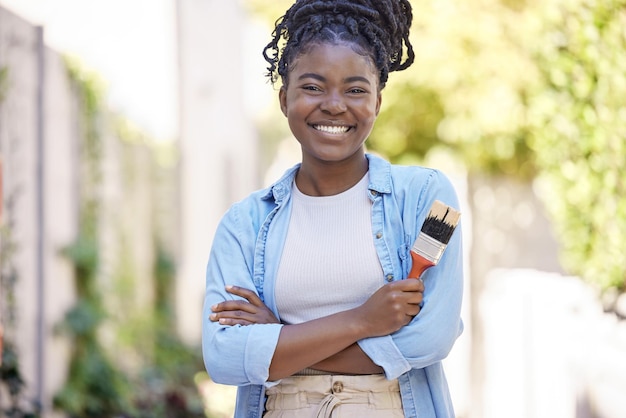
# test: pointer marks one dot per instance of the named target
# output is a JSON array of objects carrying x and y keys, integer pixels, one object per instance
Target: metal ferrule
[{"x": 429, "y": 248}]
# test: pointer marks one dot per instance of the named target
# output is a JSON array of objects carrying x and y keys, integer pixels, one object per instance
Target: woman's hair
[{"x": 376, "y": 28}]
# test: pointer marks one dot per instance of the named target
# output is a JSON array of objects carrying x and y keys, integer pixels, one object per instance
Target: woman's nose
[{"x": 333, "y": 104}]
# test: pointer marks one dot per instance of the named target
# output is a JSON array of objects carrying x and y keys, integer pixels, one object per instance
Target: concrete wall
[
  {"x": 43, "y": 183},
  {"x": 38, "y": 137}
]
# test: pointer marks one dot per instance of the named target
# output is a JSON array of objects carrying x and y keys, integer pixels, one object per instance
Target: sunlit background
[{"x": 128, "y": 127}]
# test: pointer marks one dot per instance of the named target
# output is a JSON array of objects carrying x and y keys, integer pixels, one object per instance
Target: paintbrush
[{"x": 433, "y": 239}]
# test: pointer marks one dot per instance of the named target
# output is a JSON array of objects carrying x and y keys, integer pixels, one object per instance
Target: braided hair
[{"x": 375, "y": 28}]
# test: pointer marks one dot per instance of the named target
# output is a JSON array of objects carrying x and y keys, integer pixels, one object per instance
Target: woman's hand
[
  {"x": 392, "y": 306},
  {"x": 242, "y": 312}
]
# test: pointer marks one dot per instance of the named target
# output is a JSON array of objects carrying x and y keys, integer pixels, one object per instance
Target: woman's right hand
[{"x": 392, "y": 306}]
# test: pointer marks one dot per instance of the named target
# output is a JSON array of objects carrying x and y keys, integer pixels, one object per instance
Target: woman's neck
[{"x": 328, "y": 179}]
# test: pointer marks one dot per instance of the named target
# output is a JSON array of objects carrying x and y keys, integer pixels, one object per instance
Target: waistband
[{"x": 329, "y": 391}]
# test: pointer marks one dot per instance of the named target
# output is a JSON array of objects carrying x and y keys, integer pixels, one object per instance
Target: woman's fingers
[
  {"x": 232, "y": 318},
  {"x": 247, "y": 294},
  {"x": 234, "y": 305},
  {"x": 242, "y": 312}
]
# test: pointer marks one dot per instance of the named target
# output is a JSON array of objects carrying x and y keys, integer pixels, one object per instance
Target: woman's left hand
[{"x": 242, "y": 312}]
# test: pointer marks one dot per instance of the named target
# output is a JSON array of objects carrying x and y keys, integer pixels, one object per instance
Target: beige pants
[{"x": 335, "y": 396}]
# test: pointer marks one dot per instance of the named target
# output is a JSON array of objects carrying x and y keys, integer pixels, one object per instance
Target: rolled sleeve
[
  {"x": 234, "y": 355},
  {"x": 385, "y": 353}
]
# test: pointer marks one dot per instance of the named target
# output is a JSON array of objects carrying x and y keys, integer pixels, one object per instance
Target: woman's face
[{"x": 331, "y": 101}]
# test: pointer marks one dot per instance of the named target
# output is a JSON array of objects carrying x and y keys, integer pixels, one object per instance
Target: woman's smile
[
  {"x": 332, "y": 129},
  {"x": 331, "y": 101}
]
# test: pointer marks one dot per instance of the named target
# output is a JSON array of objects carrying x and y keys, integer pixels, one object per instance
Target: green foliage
[
  {"x": 399, "y": 140},
  {"x": 89, "y": 88},
  {"x": 84, "y": 254},
  {"x": 164, "y": 275},
  {"x": 165, "y": 387},
  {"x": 95, "y": 386},
  {"x": 4, "y": 85},
  {"x": 578, "y": 119},
  {"x": 11, "y": 380},
  {"x": 10, "y": 370}
]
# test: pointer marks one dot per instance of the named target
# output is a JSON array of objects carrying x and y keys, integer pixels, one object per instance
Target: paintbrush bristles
[
  {"x": 441, "y": 222},
  {"x": 444, "y": 213}
]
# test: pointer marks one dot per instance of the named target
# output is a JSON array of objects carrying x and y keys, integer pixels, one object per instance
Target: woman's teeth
[{"x": 332, "y": 129}]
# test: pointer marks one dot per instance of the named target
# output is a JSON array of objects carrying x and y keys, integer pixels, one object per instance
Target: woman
[{"x": 306, "y": 309}]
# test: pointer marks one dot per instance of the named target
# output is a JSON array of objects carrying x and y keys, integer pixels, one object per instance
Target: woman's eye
[
  {"x": 356, "y": 91},
  {"x": 311, "y": 88}
]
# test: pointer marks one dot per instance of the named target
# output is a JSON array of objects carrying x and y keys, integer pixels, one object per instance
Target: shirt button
[
  {"x": 337, "y": 387},
  {"x": 373, "y": 192},
  {"x": 390, "y": 277},
  {"x": 379, "y": 235}
]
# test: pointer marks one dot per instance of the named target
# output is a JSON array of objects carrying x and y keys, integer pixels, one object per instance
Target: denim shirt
[{"x": 246, "y": 252}]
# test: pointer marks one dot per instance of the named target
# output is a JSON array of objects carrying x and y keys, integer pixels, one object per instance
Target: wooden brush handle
[{"x": 420, "y": 264}]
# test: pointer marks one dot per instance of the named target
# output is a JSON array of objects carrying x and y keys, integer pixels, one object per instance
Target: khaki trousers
[{"x": 334, "y": 396}]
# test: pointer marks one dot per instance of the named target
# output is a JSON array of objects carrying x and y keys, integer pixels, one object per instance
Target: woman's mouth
[{"x": 332, "y": 129}]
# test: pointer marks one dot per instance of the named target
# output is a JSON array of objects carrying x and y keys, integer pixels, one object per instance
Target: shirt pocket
[{"x": 404, "y": 256}]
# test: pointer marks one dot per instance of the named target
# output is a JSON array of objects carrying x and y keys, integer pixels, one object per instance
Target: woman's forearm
[
  {"x": 303, "y": 345},
  {"x": 351, "y": 360}
]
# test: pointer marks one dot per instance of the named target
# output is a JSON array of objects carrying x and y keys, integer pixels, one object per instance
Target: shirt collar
[{"x": 379, "y": 173}]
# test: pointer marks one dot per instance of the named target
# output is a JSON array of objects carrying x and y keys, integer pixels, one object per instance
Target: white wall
[
  {"x": 550, "y": 349},
  {"x": 45, "y": 206},
  {"x": 218, "y": 146}
]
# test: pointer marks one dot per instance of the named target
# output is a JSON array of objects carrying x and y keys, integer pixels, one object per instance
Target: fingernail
[{"x": 212, "y": 316}]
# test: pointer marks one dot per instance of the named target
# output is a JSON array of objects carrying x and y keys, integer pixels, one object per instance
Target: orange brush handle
[{"x": 420, "y": 264}]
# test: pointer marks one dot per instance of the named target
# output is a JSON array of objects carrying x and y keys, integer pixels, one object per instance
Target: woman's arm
[
  {"x": 351, "y": 360},
  {"x": 329, "y": 342}
]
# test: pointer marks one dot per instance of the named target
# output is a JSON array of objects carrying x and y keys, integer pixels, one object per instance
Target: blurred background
[{"x": 128, "y": 127}]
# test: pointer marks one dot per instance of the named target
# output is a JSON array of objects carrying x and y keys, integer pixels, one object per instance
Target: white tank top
[{"x": 329, "y": 263}]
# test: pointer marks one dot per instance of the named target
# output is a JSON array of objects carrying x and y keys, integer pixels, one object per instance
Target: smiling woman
[
  {"x": 306, "y": 307},
  {"x": 331, "y": 100}
]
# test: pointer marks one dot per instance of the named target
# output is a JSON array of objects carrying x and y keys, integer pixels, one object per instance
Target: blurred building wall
[
  {"x": 43, "y": 172},
  {"x": 550, "y": 349},
  {"x": 38, "y": 138},
  {"x": 218, "y": 148},
  {"x": 510, "y": 230}
]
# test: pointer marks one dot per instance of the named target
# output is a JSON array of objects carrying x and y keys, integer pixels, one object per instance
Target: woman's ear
[
  {"x": 282, "y": 98},
  {"x": 379, "y": 101}
]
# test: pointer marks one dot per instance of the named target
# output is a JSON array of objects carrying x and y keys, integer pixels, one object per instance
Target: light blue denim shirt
[{"x": 246, "y": 252}]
